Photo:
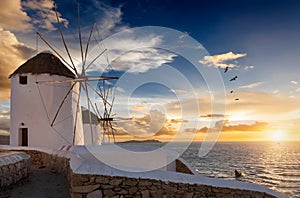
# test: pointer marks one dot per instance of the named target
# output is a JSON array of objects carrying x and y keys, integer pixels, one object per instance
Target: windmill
[{"x": 83, "y": 80}]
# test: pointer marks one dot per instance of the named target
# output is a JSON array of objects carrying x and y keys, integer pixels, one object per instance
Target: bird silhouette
[
  {"x": 237, "y": 99},
  {"x": 231, "y": 91},
  {"x": 234, "y": 78},
  {"x": 226, "y": 69}
]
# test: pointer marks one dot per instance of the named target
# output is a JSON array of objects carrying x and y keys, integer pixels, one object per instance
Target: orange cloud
[
  {"x": 150, "y": 125},
  {"x": 220, "y": 60},
  {"x": 12, "y": 54},
  {"x": 256, "y": 127},
  {"x": 12, "y": 17}
]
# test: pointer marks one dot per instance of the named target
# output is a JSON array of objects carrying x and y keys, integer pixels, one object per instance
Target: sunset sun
[{"x": 277, "y": 135}]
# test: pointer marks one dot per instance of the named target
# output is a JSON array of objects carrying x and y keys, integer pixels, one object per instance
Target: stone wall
[
  {"x": 92, "y": 186},
  {"x": 14, "y": 166}
]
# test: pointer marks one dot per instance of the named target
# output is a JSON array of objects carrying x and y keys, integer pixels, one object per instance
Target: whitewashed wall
[
  {"x": 36, "y": 105},
  {"x": 96, "y": 132}
]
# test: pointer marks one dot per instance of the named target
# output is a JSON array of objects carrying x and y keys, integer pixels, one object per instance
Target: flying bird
[
  {"x": 226, "y": 69},
  {"x": 234, "y": 78},
  {"x": 237, "y": 99},
  {"x": 231, "y": 91}
]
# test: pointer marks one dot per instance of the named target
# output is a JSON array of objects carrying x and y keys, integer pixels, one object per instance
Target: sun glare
[{"x": 277, "y": 135}]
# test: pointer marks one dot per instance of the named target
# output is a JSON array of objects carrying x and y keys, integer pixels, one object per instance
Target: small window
[{"x": 23, "y": 80}]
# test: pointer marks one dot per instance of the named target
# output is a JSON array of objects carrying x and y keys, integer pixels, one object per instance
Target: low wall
[
  {"x": 14, "y": 166},
  {"x": 105, "y": 186},
  {"x": 92, "y": 185}
]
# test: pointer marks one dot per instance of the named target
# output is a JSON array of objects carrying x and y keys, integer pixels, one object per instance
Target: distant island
[{"x": 140, "y": 142}]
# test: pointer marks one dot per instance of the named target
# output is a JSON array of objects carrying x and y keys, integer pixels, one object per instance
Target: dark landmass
[
  {"x": 4, "y": 140},
  {"x": 140, "y": 142}
]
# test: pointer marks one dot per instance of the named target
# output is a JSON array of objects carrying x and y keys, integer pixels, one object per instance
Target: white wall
[
  {"x": 96, "y": 132},
  {"x": 35, "y": 105}
]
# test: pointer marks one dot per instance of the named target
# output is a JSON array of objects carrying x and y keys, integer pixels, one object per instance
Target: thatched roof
[{"x": 44, "y": 63}]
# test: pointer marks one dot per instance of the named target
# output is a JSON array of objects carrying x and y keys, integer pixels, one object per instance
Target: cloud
[
  {"x": 111, "y": 19},
  {"x": 154, "y": 123},
  {"x": 12, "y": 17},
  {"x": 294, "y": 82},
  {"x": 4, "y": 123},
  {"x": 255, "y": 127},
  {"x": 138, "y": 108},
  {"x": 275, "y": 91},
  {"x": 45, "y": 16},
  {"x": 220, "y": 60},
  {"x": 179, "y": 91},
  {"x": 298, "y": 89},
  {"x": 251, "y": 85},
  {"x": 12, "y": 54},
  {"x": 142, "y": 60},
  {"x": 253, "y": 105},
  {"x": 212, "y": 116},
  {"x": 249, "y": 67}
]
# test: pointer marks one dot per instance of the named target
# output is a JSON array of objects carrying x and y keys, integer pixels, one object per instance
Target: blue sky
[{"x": 258, "y": 40}]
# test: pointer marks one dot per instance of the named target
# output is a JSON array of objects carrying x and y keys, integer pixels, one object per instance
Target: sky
[{"x": 171, "y": 57}]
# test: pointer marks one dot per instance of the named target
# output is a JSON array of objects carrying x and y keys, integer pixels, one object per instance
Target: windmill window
[{"x": 23, "y": 80}]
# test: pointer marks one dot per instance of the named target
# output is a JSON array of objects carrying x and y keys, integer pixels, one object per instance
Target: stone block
[
  {"x": 123, "y": 192},
  {"x": 132, "y": 190},
  {"x": 115, "y": 182},
  {"x": 188, "y": 195},
  {"x": 145, "y": 183},
  {"x": 145, "y": 194},
  {"x": 85, "y": 189},
  {"x": 102, "y": 180},
  {"x": 130, "y": 182},
  {"x": 95, "y": 194},
  {"x": 108, "y": 192}
]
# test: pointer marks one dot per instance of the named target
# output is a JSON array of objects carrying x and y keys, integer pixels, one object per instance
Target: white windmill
[{"x": 45, "y": 100}]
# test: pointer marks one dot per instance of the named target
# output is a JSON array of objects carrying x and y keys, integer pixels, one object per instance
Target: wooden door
[{"x": 24, "y": 134}]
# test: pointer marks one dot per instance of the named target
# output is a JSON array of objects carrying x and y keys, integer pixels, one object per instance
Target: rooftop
[{"x": 44, "y": 63}]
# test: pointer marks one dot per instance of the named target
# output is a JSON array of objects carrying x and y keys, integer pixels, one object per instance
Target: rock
[
  {"x": 102, "y": 180},
  {"x": 115, "y": 182},
  {"x": 109, "y": 192},
  {"x": 95, "y": 194},
  {"x": 85, "y": 189},
  {"x": 145, "y": 194},
  {"x": 76, "y": 195},
  {"x": 107, "y": 186},
  {"x": 145, "y": 183},
  {"x": 130, "y": 182},
  {"x": 78, "y": 180},
  {"x": 157, "y": 193},
  {"x": 123, "y": 192},
  {"x": 133, "y": 190},
  {"x": 187, "y": 195}
]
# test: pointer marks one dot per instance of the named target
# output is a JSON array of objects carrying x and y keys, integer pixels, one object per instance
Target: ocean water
[{"x": 275, "y": 165}]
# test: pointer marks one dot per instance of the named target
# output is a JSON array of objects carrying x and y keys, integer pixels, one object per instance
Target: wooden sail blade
[
  {"x": 87, "y": 48},
  {"x": 64, "y": 42},
  {"x": 95, "y": 59},
  {"x": 52, "y": 48},
  {"x": 61, "y": 104},
  {"x": 76, "y": 115}
]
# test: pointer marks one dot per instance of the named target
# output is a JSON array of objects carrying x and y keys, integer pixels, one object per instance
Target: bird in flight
[
  {"x": 231, "y": 91},
  {"x": 237, "y": 99},
  {"x": 234, "y": 78},
  {"x": 226, "y": 69}
]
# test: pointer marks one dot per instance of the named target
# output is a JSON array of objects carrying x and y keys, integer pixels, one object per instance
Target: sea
[{"x": 275, "y": 165}]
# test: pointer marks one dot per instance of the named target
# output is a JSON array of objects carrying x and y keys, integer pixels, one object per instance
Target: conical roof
[{"x": 44, "y": 63}]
